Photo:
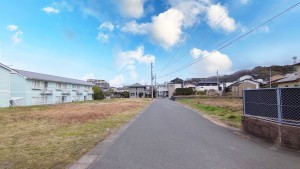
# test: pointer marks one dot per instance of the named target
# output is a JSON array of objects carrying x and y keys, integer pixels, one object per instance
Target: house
[
  {"x": 189, "y": 86},
  {"x": 245, "y": 77},
  {"x": 139, "y": 91},
  {"x": 172, "y": 87},
  {"x": 101, "y": 83},
  {"x": 238, "y": 87},
  {"x": 162, "y": 90},
  {"x": 24, "y": 88},
  {"x": 207, "y": 85},
  {"x": 291, "y": 80},
  {"x": 120, "y": 92}
]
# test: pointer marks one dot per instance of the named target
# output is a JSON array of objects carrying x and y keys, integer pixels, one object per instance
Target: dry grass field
[
  {"x": 226, "y": 110},
  {"x": 55, "y": 136}
]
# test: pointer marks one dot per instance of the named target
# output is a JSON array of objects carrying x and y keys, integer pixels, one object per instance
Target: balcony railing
[
  {"x": 47, "y": 91},
  {"x": 65, "y": 92},
  {"x": 90, "y": 92}
]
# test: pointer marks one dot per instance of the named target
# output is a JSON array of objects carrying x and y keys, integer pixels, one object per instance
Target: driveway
[{"x": 170, "y": 136}]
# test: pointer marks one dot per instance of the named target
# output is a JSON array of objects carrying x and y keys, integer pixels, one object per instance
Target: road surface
[{"x": 170, "y": 136}]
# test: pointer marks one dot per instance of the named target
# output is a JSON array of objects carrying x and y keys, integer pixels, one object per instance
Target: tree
[
  {"x": 98, "y": 94},
  {"x": 177, "y": 81},
  {"x": 125, "y": 94}
]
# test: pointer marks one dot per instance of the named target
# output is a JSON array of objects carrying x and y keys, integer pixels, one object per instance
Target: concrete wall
[
  {"x": 284, "y": 135},
  {"x": 289, "y": 84}
]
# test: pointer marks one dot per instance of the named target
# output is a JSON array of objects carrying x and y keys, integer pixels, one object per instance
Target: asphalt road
[{"x": 170, "y": 136}]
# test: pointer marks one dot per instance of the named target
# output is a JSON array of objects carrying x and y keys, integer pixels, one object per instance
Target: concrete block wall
[{"x": 284, "y": 135}]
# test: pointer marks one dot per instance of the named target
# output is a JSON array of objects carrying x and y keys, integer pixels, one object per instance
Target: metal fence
[{"x": 281, "y": 105}]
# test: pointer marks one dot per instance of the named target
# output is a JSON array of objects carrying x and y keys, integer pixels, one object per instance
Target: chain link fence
[{"x": 281, "y": 105}]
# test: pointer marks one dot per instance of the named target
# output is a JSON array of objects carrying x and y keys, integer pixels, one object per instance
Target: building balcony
[
  {"x": 79, "y": 92},
  {"x": 65, "y": 92},
  {"x": 47, "y": 91},
  {"x": 90, "y": 92}
]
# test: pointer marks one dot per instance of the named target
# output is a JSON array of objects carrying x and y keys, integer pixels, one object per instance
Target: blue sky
[{"x": 116, "y": 40}]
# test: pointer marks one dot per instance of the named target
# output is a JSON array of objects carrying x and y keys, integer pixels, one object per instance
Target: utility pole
[
  {"x": 218, "y": 80},
  {"x": 152, "y": 80}
]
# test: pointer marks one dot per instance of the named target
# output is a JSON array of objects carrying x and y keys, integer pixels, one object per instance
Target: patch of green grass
[{"x": 227, "y": 114}]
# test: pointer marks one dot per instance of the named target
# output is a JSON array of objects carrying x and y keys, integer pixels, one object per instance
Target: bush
[
  {"x": 184, "y": 91},
  {"x": 98, "y": 94}
]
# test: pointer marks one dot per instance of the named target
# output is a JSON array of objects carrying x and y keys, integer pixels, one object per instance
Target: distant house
[
  {"x": 172, "y": 87},
  {"x": 23, "y": 88},
  {"x": 189, "y": 86},
  {"x": 245, "y": 77},
  {"x": 100, "y": 83},
  {"x": 238, "y": 87},
  {"x": 207, "y": 85},
  {"x": 162, "y": 90},
  {"x": 291, "y": 80},
  {"x": 120, "y": 92},
  {"x": 139, "y": 91}
]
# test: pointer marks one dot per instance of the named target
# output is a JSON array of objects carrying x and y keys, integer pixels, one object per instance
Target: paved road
[{"x": 170, "y": 136}]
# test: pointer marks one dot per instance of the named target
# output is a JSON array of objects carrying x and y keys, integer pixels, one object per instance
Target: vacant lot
[
  {"x": 57, "y": 135},
  {"x": 226, "y": 110}
]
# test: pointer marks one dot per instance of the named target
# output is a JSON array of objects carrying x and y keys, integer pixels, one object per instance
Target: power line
[{"x": 231, "y": 42}]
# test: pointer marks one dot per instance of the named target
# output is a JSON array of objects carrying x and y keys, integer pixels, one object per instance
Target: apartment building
[{"x": 24, "y": 88}]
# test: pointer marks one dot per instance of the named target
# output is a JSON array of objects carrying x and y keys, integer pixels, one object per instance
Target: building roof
[
  {"x": 51, "y": 78},
  {"x": 240, "y": 82},
  {"x": 137, "y": 85},
  {"x": 289, "y": 78}
]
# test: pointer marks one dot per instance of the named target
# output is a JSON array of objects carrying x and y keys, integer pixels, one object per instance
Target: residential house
[
  {"x": 24, "y": 88},
  {"x": 238, "y": 87},
  {"x": 245, "y": 77},
  {"x": 207, "y": 85},
  {"x": 291, "y": 80},
  {"x": 139, "y": 91},
  {"x": 120, "y": 92},
  {"x": 192, "y": 86},
  {"x": 101, "y": 83},
  {"x": 172, "y": 87},
  {"x": 162, "y": 90}
]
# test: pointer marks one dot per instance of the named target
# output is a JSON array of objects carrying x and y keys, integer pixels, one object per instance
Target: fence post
[
  {"x": 244, "y": 104},
  {"x": 279, "y": 110}
]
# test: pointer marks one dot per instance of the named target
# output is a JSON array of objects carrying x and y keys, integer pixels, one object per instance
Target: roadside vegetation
[
  {"x": 226, "y": 110},
  {"x": 55, "y": 136}
]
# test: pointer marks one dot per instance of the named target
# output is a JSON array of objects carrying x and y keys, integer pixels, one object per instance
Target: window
[
  {"x": 36, "y": 84},
  {"x": 132, "y": 94},
  {"x": 58, "y": 86},
  {"x": 64, "y": 86},
  {"x": 286, "y": 85}
]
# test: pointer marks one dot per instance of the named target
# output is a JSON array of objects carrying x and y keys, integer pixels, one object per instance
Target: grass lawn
[
  {"x": 55, "y": 136},
  {"x": 226, "y": 110}
]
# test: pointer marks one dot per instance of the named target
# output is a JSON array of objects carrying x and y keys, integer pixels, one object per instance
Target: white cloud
[
  {"x": 244, "y": 2},
  {"x": 16, "y": 37},
  {"x": 50, "y": 10},
  {"x": 88, "y": 76},
  {"x": 107, "y": 25},
  {"x": 218, "y": 18},
  {"x": 102, "y": 37},
  {"x": 212, "y": 61},
  {"x": 131, "y": 8},
  {"x": 166, "y": 27},
  {"x": 126, "y": 58},
  {"x": 191, "y": 9},
  {"x": 135, "y": 28},
  {"x": 117, "y": 81},
  {"x": 12, "y": 27},
  {"x": 195, "y": 53}
]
